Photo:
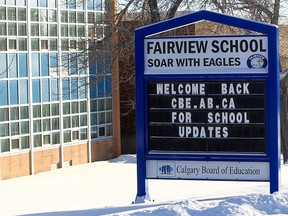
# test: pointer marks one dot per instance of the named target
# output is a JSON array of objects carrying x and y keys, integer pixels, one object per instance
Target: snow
[{"x": 109, "y": 188}]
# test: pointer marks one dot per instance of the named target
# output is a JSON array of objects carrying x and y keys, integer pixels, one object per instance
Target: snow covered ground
[{"x": 109, "y": 187}]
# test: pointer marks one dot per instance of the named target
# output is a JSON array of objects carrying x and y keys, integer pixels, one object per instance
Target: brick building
[{"x": 50, "y": 114}]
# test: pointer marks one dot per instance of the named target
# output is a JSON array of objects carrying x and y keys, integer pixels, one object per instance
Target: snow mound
[{"x": 252, "y": 204}]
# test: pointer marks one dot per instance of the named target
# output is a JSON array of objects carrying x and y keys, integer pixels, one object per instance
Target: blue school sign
[{"x": 207, "y": 107}]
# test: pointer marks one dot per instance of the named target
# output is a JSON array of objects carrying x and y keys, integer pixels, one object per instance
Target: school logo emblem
[
  {"x": 257, "y": 61},
  {"x": 166, "y": 169}
]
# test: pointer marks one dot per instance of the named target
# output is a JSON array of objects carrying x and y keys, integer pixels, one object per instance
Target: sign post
[{"x": 207, "y": 107}]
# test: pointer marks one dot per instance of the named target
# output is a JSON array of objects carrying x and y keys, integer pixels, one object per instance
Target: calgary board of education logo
[
  {"x": 257, "y": 61},
  {"x": 166, "y": 169}
]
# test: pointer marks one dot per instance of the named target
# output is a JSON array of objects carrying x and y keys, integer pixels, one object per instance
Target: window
[
  {"x": 80, "y": 17},
  {"x": 4, "y": 130},
  {"x": 22, "y": 44},
  {"x": 66, "y": 122},
  {"x": 43, "y": 15},
  {"x": 83, "y": 133},
  {"x": 73, "y": 45},
  {"x": 109, "y": 130},
  {"x": 14, "y": 113},
  {"x": 94, "y": 132},
  {"x": 52, "y": 16},
  {"x": 37, "y": 140},
  {"x": 2, "y": 13},
  {"x": 24, "y": 112},
  {"x": 93, "y": 105},
  {"x": 25, "y": 142},
  {"x": 83, "y": 107},
  {"x": 37, "y": 125},
  {"x": 98, "y": 5},
  {"x": 71, "y": 4},
  {"x": 101, "y": 105},
  {"x": 67, "y": 136},
  {"x": 44, "y": 44},
  {"x": 101, "y": 131},
  {"x": 33, "y": 3},
  {"x": 34, "y": 14},
  {"x": 2, "y": 28},
  {"x": 64, "y": 16},
  {"x": 75, "y": 135},
  {"x": 22, "y": 29},
  {"x": 22, "y": 14},
  {"x": 72, "y": 17},
  {"x": 109, "y": 104},
  {"x": 66, "y": 89},
  {"x": 12, "y": 29},
  {"x": 75, "y": 121},
  {"x": 90, "y": 5},
  {"x": 5, "y": 146},
  {"x": 64, "y": 45},
  {"x": 34, "y": 29},
  {"x": 54, "y": 90},
  {"x": 66, "y": 108},
  {"x": 43, "y": 3},
  {"x": 45, "y": 110},
  {"x": 90, "y": 17},
  {"x": 81, "y": 33},
  {"x": 72, "y": 30},
  {"x": 36, "y": 91},
  {"x": 11, "y": 13},
  {"x": 35, "y": 65},
  {"x": 43, "y": 29},
  {"x": 45, "y": 64},
  {"x": 36, "y": 111},
  {"x": 45, "y": 91},
  {"x": 55, "y": 109},
  {"x": 99, "y": 17},
  {"x": 15, "y": 144},
  {"x": 14, "y": 92},
  {"x": 46, "y": 139},
  {"x": 51, "y": 3},
  {"x": 46, "y": 124},
  {"x": 83, "y": 120},
  {"x": 64, "y": 30},
  {"x": 4, "y": 114},
  {"x": 101, "y": 118},
  {"x": 74, "y": 88},
  {"x": 23, "y": 62},
  {"x": 4, "y": 93},
  {"x": 3, "y": 59},
  {"x": 55, "y": 123},
  {"x": 12, "y": 44},
  {"x": 14, "y": 128},
  {"x": 53, "y": 30},
  {"x": 23, "y": 93},
  {"x": 82, "y": 88},
  {"x": 55, "y": 138},
  {"x": 75, "y": 108},
  {"x": 93, "y": 119},
  {"x": 24, "y": 127},
  {"x": 53, "y": 44},
  {"x": 3, "y": 45},
  {"x": 34, "y": 44},
  {"x": 12, "y": 61}
]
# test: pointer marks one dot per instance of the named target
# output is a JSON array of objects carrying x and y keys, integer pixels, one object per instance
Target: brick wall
[
  {"x": 17, "y": 165},
  {"x": 12, "y": 166}
]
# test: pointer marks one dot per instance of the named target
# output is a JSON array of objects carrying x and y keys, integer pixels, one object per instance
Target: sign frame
[{"x": 271, "y": 78}]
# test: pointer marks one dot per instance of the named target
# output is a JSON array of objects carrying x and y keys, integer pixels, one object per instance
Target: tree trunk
[
  {"x": 154, "y": 11},
  {"x": 283, "y": 116}
]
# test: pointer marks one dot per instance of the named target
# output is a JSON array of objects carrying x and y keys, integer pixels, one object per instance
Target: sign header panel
[{"x": 204, "y": 55}]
